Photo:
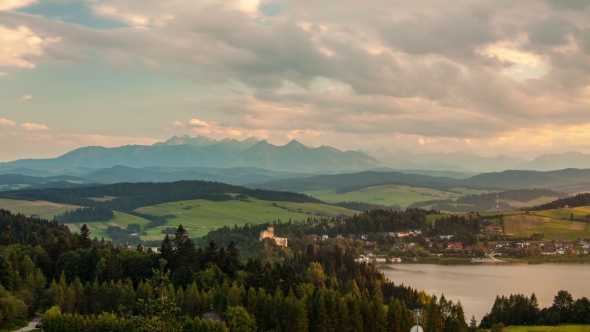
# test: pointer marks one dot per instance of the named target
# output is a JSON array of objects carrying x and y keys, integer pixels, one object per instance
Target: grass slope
[
  {"x": 48, "y": 210},
  {"x": 200, "y": 216},
  {"x": 391, "y": 194},
  {"x": 560, "y": 328},
  {"x": 555, "y": 224}
]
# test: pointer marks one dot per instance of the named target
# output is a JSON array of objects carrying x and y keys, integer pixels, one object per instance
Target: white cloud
[
  {"x": 19, "y": 46},
  {"x": 14, "y": 4},
  {"x": 25, "y": 98},
  {"x": 6, "y": 122},
  {"x": 33, "y": 126}
]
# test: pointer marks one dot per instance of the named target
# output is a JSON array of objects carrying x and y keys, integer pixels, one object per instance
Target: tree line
[
  {"x": 130, "y": 196},
  {"x": 519, "y": 309},
  {"x": 85, "y": 215}
]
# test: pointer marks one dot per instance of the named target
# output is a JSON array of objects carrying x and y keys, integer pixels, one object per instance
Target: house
[
  {"x": 363, "y": 237},
  {"x": 493, "y": 229},
  {"x": 325, "y": 237},
  {"x": 443, "y": 237},
  {"x": 454, "y": 246},
  {"x": 503, "y": 244},
  {"x": 338, "y": 236},
  {"x": 430, "y": 244},
  {"x": 558, "y": 244},
  {"x": 315, "y": 237},
  {"x": 440, "y": 245},
  {"x": 548, "y": 249}
]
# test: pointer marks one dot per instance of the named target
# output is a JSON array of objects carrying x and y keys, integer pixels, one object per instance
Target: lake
[{"x": 476, "y": 285}]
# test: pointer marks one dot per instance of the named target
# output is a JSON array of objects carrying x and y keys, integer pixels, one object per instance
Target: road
[{"x": 31, "y": 325}]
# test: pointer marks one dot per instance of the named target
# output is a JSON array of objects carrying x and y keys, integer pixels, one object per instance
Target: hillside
[
  {"x": 356, "y": 181},
  {"x": 569, "y": 181}
]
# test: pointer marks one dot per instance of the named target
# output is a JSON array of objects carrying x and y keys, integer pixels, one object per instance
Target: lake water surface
[{"x": 476, "y": 285}]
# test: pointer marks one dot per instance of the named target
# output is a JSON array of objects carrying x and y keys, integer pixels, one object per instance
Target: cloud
[
  {"x": 25, "y": 98},
  {"x": 33, "y": 126},
  {"x": 6, "y": 122},
  {"x": 3, "y": 74},
  {"x": 206, "y": 128},
  {"x": 20, "y": 46},
  {"x": 446, "y": 74},
  {"x": 14, "y": 4}
]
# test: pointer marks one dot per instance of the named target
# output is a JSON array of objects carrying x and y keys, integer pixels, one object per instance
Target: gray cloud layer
[{"x": 495, "y": 74}]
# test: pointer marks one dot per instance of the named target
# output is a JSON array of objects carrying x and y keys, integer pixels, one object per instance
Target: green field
[
  {"x": 560, "y": 328},
  {"x": 384, "y": 195},
  {"x": 48, "y": 210},
  {"x": 555, "y": 224},
  {"x": 200, "y": 216},
  {"x": 45, "y": 210}
]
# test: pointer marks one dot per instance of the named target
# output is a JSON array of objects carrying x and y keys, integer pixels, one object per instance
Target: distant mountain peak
[{"x": 295, "y": 143}]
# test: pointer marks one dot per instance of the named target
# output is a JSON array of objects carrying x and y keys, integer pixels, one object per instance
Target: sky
[{"x": 485, "y": 77}]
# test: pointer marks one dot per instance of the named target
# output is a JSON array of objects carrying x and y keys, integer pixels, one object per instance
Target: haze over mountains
[{"x": 201, "y": 151}]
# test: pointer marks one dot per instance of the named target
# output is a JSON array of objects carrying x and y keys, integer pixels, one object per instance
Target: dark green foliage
[
  {"x": 86, "y": 214},
  {"x": 130, "y": 196},
  {"x": 520, "y": 310},
  {"x": 17, "y": 228},
  {"x": 575, "y": 201}
]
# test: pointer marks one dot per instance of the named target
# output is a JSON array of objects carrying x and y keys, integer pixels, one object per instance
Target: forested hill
[
  {"x": 18, "y": 228},
  {"x": 356, "y": 181},
  {"x": 130, "y": 196},
  {"x": 575, "y": 201}
]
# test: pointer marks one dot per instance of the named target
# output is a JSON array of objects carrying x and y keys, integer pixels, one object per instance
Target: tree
[
  {"x": 563, "y": 303},
  {"x": 84, "y": 237},
  {"x": 240, "y": 320}
]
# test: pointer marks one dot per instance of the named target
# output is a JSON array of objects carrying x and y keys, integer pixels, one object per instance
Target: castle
[{"x": 269, "y": 233}]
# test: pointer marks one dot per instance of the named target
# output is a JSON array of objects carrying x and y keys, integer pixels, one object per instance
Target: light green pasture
[{"x": 200, "y": 216}]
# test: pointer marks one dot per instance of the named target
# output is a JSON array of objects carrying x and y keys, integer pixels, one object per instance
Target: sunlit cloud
[
  {"x": 14, "y": 4},
  {"x": 33, "y": 126},
  {"x": 6, "y": 122},
  {"x": 25, "y": 98},
  {"x": 19, "y": 46}
]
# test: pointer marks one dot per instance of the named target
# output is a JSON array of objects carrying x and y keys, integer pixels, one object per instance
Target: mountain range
[{"x": 201, "y": 151}]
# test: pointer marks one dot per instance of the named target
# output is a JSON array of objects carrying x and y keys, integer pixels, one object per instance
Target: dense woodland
[
  {"x": 130, "y": 196},
  {"x": 93, "y": 286},
  {"x": 575, "y": 201},
  {"x": 85, "y": 215},
  {"x": 521, "y": 310}
]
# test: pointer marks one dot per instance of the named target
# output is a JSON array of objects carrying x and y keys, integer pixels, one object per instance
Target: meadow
[
  {"x": 48, "y": 210},
  {"x": 555, "y": 224},
  {"x": 390, "y": 195},
  {"x": 200, "y": 216},
  {"x": 560, "y": 328}
]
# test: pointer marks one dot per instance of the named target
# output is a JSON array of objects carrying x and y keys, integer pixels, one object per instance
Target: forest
[
  {"x": 130, "y": 196},
  {"x": 85, "y": 215},
  {"x": 90, "y": 285},
  {"x": 519, "y": 309},
  {"x": 575, "y": 201}
]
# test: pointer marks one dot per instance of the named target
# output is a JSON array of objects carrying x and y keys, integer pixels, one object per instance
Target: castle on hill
[{"x": 269, "y": 233}]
